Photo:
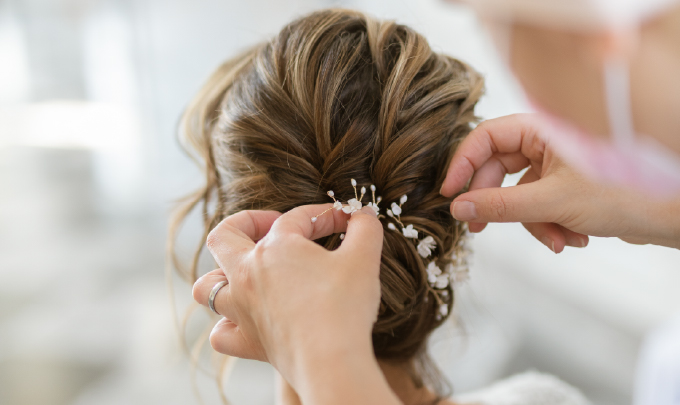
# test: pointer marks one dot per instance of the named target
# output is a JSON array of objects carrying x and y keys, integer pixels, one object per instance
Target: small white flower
[
  {"x": 375, "y": 208},
  {"x": 313, "y": 219},
  {"x": 353, "y": 206},
  {"x": 432, "y": 268},
  {"x": 331, "y": 193},
  {"x": 354, "y": 183},
  {"x": 445, "y": 293},
  {"x": 378, "y": 199},
  {"x": 432, "y": 272},
  {"x": 409, "y": 232},
  {"x": 426, "y": 246},
  {"x": 442, "y": 281},
  {"x": 342, "y": 236},
  {"x": 396, "y": 209},
  {"x": 391, "y": 226},
  {"x": 372, "y": 187},
  {"x": 403, "y": 199},
  {"x": 363, "y": 190},
  {"x": 444, "y": 310},
  {"x": 337, "y": 205},
  {"x": 390, "y": 213}
]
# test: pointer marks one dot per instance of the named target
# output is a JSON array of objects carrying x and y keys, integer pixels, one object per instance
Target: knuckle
[
  {"x": 482, "y": 126},
  {"x": 498, "y": 206},
  {"x": 213, "y": 239},
  {"x": 260, "y": 252}
]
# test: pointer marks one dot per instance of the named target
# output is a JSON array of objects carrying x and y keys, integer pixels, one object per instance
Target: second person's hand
[{"x": 557, "y": 205}]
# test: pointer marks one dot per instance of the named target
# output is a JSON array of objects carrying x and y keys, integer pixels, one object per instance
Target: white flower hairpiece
[
  {"x": 426, "y": 246},
  {"x": 438, "y": 280},
  {"x": 354, "y": 204}
]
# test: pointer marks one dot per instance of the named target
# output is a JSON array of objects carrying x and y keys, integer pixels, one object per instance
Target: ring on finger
[{"x": 213, "y": 294}]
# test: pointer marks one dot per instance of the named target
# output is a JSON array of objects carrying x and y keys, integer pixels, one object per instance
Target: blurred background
[{"x": 90, "y": 95}]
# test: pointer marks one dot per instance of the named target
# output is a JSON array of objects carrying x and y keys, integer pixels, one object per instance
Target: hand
[
  {"x": 558, "y": 206},
  {"x": 295, "y": 304}
]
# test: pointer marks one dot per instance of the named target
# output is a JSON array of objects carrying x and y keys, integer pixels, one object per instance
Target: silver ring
[{"x": 213, "y": 294}]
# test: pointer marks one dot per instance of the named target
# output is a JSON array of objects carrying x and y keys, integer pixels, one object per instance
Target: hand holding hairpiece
[{"x": 438, "y": 280}]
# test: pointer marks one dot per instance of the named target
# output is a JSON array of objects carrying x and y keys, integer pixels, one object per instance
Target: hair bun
[{"x": 337, "y": 95}]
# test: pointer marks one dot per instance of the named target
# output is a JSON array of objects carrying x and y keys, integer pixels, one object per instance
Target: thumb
[
  {"x": 529, "y": 202},
  {"x": 364, "y": 238}
]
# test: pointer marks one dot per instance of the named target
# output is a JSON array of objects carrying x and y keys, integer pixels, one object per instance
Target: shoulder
[{"x": 530, "y": 388}]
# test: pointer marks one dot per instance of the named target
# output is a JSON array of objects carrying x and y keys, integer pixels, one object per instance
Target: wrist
[
  {"x": 667, "y": 220},
  {"x": 658, "y": 221},
  {"x": 348, "y": 375}
]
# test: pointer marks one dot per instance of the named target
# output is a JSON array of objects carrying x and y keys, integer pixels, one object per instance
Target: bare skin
[
  {"x": 397, "y": 378},
  {"x": 266, "y": 305},
  {"x": 562, "y": 71},
  {"x": 265, "y": 259}
]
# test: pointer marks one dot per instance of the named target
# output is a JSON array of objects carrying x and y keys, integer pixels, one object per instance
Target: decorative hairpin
[{"x": 438, "y": 280}]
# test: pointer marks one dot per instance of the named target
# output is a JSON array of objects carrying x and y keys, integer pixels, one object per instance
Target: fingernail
[
  {"x": 464, "y": 211},
  {"x": 576, "y": 241},
  {"x": 549, "y": 243}
]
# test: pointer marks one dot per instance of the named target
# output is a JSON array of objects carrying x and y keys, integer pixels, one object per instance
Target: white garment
[
  {"x": 530, "y": 388},
  {"x": 658, "y": 373}
]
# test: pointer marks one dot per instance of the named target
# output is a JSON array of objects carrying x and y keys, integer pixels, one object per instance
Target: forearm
[
  {"x": 349, "y": 377},
  {"x": 660, "y": 222}
]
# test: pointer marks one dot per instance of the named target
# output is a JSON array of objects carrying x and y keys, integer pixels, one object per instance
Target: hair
[{"x": 339, "y": 95}]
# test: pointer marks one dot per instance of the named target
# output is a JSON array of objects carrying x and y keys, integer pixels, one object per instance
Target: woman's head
[{"x": 337, "y": 95}]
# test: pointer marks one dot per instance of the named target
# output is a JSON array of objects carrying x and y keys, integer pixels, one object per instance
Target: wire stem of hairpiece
[
  {"x": 331, "y": 194},
  {"x": 436, "y": 295},
  {"x": 314, "y": 218}
]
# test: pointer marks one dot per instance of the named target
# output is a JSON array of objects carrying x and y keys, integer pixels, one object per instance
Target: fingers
[
  {"x": 299, "y": 221},
  {"x": 238, "y": 233},
  {"x": 205, "y": 284},
  {"x": 202, "y": 286},
  {"x": 509, "y": 134},
  {"x": 521, "y": 203},
  {"x": 493, "y": 171},
  {"x": 476, "y": 227},
  {"x": 556, "y": 237},
  {"x": 364, "y": 238},
  {"x": 227, "y": 338},
  {"x": 575, "y": 239},
  {"x": 531, "y": 200},
  {"x": 548, "y": 234}
]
